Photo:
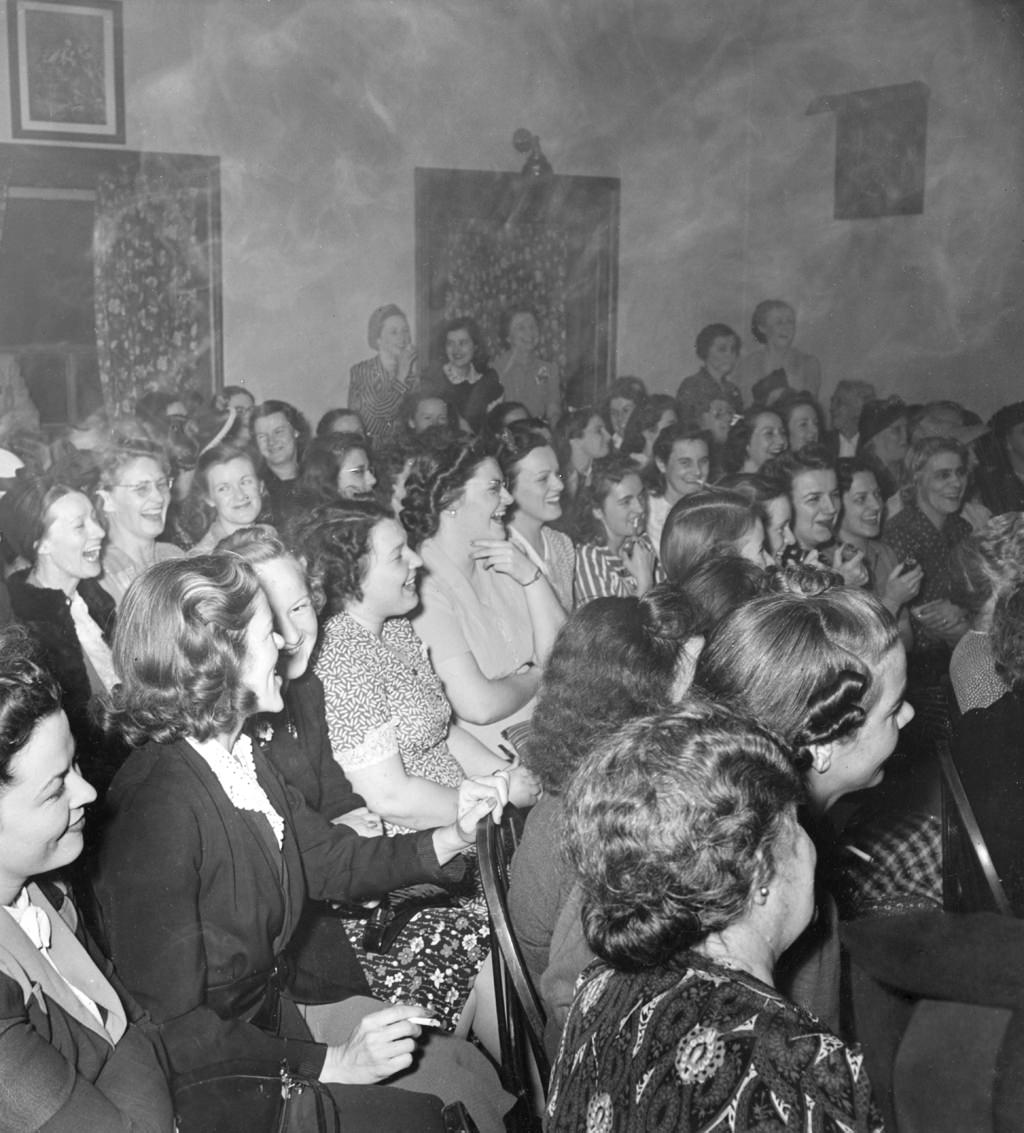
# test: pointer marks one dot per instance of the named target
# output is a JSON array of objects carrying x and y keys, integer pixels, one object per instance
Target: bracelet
[{"x": 532, "y": 580}]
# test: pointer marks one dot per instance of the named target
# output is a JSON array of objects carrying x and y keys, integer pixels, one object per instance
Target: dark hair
[
  {"x": 734, "y": 453},
  {"x": 670, "y": 825},
  {"x": 629, "y": 387},
  {"x": 754, "y": 487},
  {"x": 791, "y": 399},
  {"x": 335, "y": 542},
  {"x": 464, "y": 322},
  {"x": 848, "y": 467},
  {"x": 666, "y": 441},
  {"x": 29, "y": 693},
  {"x": 196, "y": 514},
  {"x": 222, "y": 397},
  {"x": 153, "y": 405},
  {"x": 1008, "y": 637},
  {"x": 605, "y": 474},
  {"x": 436, "y": 481},
  {"x": 702, "y": 526},
  {"x": 762, "y": 311},
  {"x": 412, "y": 401},
  {"x": 24, "y": 509},
  {"x": 515, "y": 443},
  {"x": 643, "y": 419},
  {"x": 496, "y": 419},
  {"x": 717, "y": 585},
  {"x": 179, "y": 648},
  {"x": 322, "y": 464},
  {"x": 292, "y": 415},
  {"x": 785, "y": 467},
  {"x": 570, "y": 427},
  {"x": 707, "y": 335},
  {"x": 613, "y": 659},
  {"x": 325, "y": 426},
  {"x": 800, "y": 665}
]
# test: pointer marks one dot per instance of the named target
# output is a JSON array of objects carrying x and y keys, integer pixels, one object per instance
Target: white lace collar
[{"x": 236, "y": 773}]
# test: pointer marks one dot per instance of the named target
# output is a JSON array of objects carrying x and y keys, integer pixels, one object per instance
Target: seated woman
[
  {"x": 425, "y": 408},
  {"x": 378, "y": 384},
  {"x": 336, "y": 468},
  {"x": 530, "y": 467},
  {"x": 488, "y": 615},
  {"x": 133, "y": 496},
  {"x": 802, "y": 418},
  {"x": 985, "y": 566},
  {"x": 436, "y": 958},
  {"x": 581, "y": 438},
  {"x": 718, "y": 348},
  {"x": 528, "y": 378},
  {"x": 75, "y": 1053},
  {"x": 614, "y": 556},
  {"x": 689, "y": 915},
  {"x": 280, "y": 432},
  {"x": 926, "y": 530},
  {"x": 681, "y": 467},
  {"x": 465, "y": 378},
  {"x": 778, "y": 365},
  {"x": 708, "y": 524},
  {"x": 773, "y": 501},
  {"x": 209, "y": 858},
  {"x": 340, "y": 421},
  {"x": 614, "y": 659},
  {"x": 753, "y": 440},
  {"x": 894, "y": 583},
  {"x": 653, "y": 415},
  {"x": 836, "y": 697},
  {"x": 226, "y": 495},
  {"x": 59, "y": 599},
  {"x": 624, "y": 395}
]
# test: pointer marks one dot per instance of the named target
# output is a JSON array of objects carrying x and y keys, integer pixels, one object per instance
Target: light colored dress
[
  {"x": 558, "y": 563},
  {"x": 120, "y": 570}
]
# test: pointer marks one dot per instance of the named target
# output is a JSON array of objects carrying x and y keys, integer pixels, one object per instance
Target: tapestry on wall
[{"x": 152, "y": 286}]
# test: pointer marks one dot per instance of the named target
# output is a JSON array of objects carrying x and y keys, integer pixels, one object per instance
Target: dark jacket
[
  {"x": 59, "y": 1072},
  {"x": 198, "y": 902}
]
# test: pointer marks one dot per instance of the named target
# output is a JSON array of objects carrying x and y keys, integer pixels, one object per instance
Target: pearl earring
[{"x": 764, "y": 892}]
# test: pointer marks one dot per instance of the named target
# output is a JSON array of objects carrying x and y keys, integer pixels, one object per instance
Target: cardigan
[
  {"x": 58, "y": 1067},
  {"x": 198, "y": 902}
]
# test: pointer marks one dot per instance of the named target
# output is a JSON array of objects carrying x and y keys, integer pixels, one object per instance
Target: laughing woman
[
  {"x": 59, "y": 599},
  {"x": 209, "y": 858},
  {"x": 74, "y": 1053},
  {"x": 489, "y": 615},
  {"x": 133, "y": 496}
]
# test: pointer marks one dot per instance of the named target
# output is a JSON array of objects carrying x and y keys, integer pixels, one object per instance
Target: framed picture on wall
[{"x": 67, "y": 70}]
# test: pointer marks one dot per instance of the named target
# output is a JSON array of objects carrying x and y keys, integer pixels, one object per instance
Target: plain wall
[{"x": 320, "y": 112}]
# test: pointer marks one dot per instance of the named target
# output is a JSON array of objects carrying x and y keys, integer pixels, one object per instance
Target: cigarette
[
  {"x": 859, "y": 853},
  {"x": 425, "y": 1022}
]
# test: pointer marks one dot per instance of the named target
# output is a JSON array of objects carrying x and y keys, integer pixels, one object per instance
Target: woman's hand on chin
[{"x": 504, "y": 557}]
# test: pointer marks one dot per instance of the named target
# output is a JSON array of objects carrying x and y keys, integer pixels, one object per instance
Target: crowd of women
[{"x": 286, "y": 672}]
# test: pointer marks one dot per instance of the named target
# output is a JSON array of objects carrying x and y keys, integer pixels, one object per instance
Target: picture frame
[{"x": 67, "y": 70}]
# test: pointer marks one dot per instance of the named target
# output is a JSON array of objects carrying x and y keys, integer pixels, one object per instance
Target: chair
[
  {"x": 970, "y": 883},
  {"x": 521, "y": 1017}
]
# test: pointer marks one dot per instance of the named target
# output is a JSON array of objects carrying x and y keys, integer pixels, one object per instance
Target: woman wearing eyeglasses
[{"x": 133, "y": 497}]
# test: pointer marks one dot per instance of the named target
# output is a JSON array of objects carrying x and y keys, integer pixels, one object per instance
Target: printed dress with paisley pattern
[
  {"x": 701, "y": 1048},
  {"x": 382, "y": 695}
]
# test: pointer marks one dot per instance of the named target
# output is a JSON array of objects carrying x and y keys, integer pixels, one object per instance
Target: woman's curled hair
[
  {"x": 670, "y": 825},
  {"x": 435, "y": 482},
  {"x": 335, "y": 543},
  {"x": 613, "y": 659},
  {"x": 800, "y": 665},
  {"x": 179, "y": 648},
  {"x": 28, "y": 693}
]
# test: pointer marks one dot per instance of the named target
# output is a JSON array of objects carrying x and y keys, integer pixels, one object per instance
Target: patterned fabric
[
  {"x": 530, "y": 381},
  {"x": 972, "y": 672},
  {"x": 152, "y": 294},
  {"x": 99, "y": 662},
  {"x": 602, "y": 574},
  {"x": 558, "y": 563},
  {"x": 383, "y": 698},
  {"x": 701, "y": 1048},
  {"x": 236, "y": 773},
  {"x": 377, "y": 396}
]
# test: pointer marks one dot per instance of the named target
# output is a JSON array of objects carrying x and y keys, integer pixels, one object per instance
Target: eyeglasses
[{"x": 145, "y": 487}]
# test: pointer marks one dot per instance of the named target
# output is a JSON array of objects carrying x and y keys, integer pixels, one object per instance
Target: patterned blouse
[
  {"x": 601, "y": 573},
  {"x": 701, "y": 1047},
  {"x": 376, "y": 396},
  {"x": 383, "y": 698}
]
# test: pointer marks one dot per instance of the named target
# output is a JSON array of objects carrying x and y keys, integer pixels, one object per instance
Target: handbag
[{"x": 255, "y": 1095}]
